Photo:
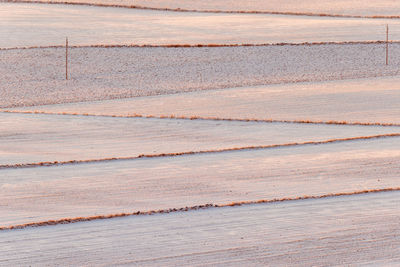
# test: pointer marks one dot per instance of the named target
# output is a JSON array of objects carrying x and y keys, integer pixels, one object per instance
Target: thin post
[
  {"x": 387, "y": 44},
  {"x": 66, "y": 58}
]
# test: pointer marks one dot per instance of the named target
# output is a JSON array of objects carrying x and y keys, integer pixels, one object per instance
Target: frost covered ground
[
  {"x": 42, "y": 193},
  {"x": 313, "y": 130},
  {"x": 43, "y": 25},
  {"x": 42, "y": 138},
  {"x": 369, "y": 100},
  {"x": 339, "y": 7},
  {"x": 37, "y": 76},
  {"x": 356, "y": 230},
  {"x": 70, "y": 190}
]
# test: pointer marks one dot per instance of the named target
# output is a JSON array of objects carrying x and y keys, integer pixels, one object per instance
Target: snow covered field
[
  {"x": 338, "y": 7},
  {"x": 100, "y": 188},
  {"x": 42, "y": 138},
  {"x": 354, "y": 230},
  {"x": 313, "y": 130},
  {"x": 43, "y": 25},
  {"x": 370, "y": 100},
  {"x": 37, "y": 76}
]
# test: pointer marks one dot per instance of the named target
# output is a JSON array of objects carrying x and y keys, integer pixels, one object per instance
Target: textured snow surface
[
  {"x": 341, "y": 7},
  {"x": 43, "y": 25},
  {"x": 331, "y": 82},
  {"x": 44, "y": 193},
  {"x": 371, "y": 100},
  {"x": 354, "y": 230},
  {"x": 27, "y": 138},
  {"x": 37, "y": 76}
]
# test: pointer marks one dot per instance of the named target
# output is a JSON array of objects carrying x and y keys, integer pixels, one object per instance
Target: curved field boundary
[
  {"x": 192, "y": 208},
  {"x": 174, "y": 117},
  {"x": 287, "y": 13},
  {"x": 187, "y": 153},
  {"x": 200, "y": 45}
]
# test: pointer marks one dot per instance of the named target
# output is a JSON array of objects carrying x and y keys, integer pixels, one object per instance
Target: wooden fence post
[{"x": 66, "y": 58}]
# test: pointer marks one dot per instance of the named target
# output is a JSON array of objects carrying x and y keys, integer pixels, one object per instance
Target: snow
[
  {"x": 369, "y": 100},
  {"x": 339, "y": 7},
  {"x": 43, "y": 25},
  {"x": 353, "y": 230},
  {"x": 199, "y": 99},
  {"x": 28, "y": 138},
  {"x": 44, "y": 193},
  {"x": 37, "y": 76}
]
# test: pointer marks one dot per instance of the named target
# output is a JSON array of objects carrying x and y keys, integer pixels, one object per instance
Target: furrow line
[
  {"x": 200, "y": 45},
  {"x": 187, "y": 153},
  {"x": 177, "y": 117},
  {"x": 193, "y": 208}
]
